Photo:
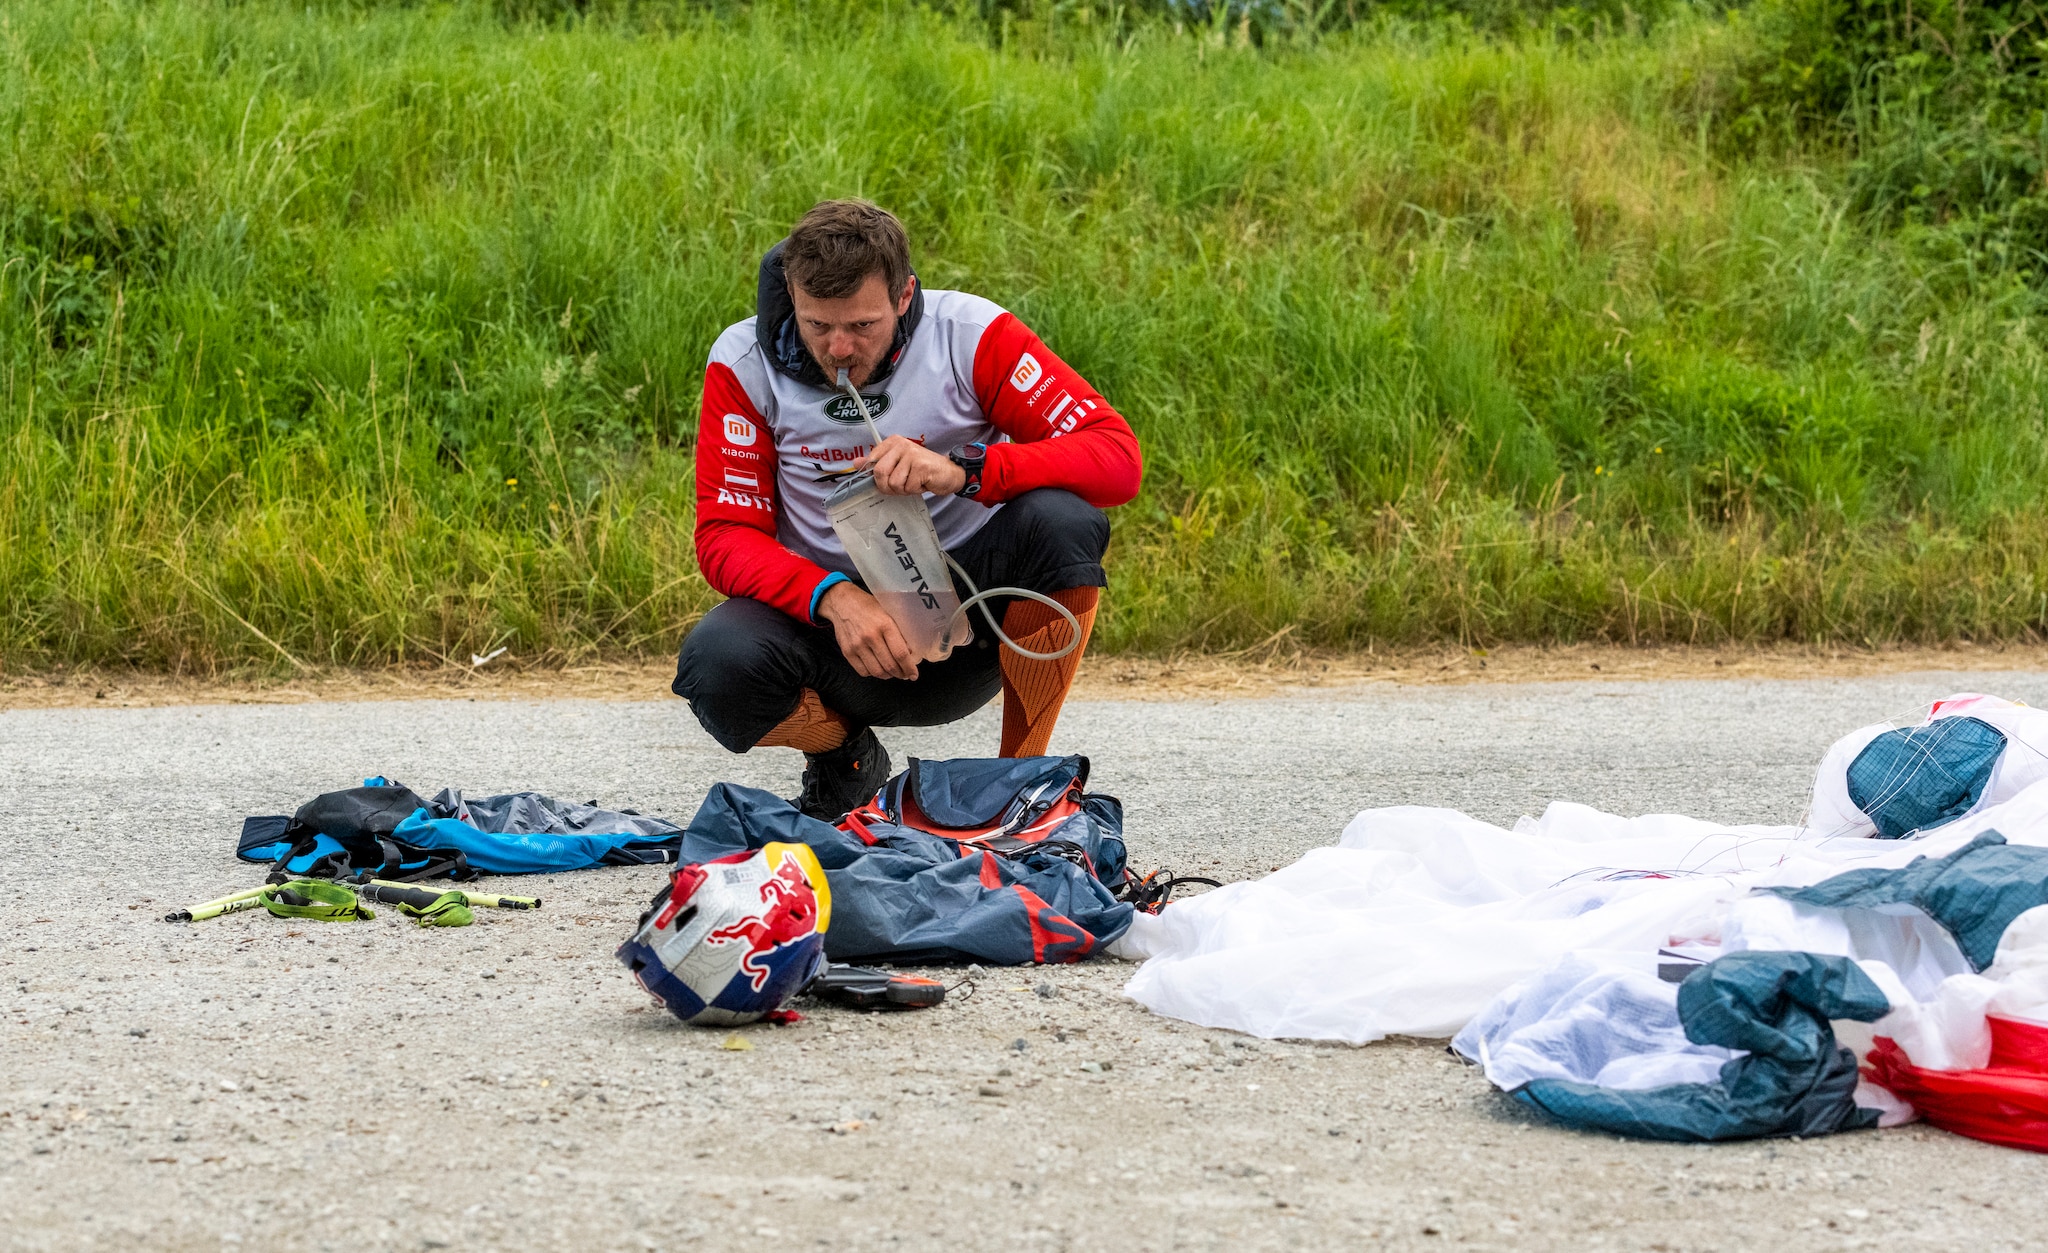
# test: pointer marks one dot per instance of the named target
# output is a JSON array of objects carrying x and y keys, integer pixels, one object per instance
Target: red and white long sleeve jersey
[{"x": 969, "y": 373}]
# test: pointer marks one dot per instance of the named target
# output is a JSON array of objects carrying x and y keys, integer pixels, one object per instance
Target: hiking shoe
[{"x": 844, "y": 778}]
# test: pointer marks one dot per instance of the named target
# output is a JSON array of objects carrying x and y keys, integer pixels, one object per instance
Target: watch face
[{"x": 971, "y": 463}]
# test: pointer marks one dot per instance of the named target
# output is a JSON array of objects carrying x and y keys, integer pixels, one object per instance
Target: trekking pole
[
  {"x": 380, "y": 890},
  {"x": 420, "y": 897},
  {"x": 251, "y": 899}
]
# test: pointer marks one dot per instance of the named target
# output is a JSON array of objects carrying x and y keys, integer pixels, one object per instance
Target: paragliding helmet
[{"x": 732, "y": 940}]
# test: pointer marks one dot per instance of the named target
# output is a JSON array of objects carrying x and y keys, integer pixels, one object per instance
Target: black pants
[{"x": 744, "y": 666}]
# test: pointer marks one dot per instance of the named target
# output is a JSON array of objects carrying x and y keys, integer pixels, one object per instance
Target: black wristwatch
[{"x": 971, "y": 459}]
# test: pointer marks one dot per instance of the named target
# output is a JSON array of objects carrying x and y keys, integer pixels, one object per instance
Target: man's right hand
[{"x": 867, "y": 635}]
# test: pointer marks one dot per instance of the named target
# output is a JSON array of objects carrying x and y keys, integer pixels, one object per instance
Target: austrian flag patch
[{"x": 743, "y": 488}]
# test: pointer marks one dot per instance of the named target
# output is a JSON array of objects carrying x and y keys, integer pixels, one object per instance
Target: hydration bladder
[{"x": 895, "y": 548}]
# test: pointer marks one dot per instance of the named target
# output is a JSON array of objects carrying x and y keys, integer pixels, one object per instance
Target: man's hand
[
  {"x": 904, "y": 467},
  {"x": 867, "y": 635}
]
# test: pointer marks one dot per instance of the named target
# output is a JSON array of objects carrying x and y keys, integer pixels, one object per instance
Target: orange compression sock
[
  {"x": 810, "y": 727},
  {"x": 1033, "y": 691}
]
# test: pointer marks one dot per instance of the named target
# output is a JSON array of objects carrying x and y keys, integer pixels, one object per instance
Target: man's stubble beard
[
  {"x": 858, "y": 370},
  {"x": 852, "y": 366}
]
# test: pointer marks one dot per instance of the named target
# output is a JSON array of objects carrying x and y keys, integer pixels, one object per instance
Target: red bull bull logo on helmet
[
  {"x": 734, "y": 939},
  {"x": 790, "y": 912}
]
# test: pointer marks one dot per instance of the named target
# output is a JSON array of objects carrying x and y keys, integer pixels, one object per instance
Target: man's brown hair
[{"x": 839, "y": 243}]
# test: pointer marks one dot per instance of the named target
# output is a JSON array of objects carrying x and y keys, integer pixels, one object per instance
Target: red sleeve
[
  {"x": 736, "y": 545},
  {"x": 1062, "y": 432}
]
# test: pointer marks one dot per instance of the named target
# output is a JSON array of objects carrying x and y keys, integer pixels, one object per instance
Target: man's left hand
[{"x": 904, "y": 467}]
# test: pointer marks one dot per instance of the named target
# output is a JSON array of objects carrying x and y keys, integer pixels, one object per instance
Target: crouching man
[{"x": 1017, "y": 454}]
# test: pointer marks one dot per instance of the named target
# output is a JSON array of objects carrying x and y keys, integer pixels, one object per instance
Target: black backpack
[{"x": 362, "y": 821}]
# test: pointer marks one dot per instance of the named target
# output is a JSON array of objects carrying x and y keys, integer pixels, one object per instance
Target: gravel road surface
[{"x": 254, "y": 1083}]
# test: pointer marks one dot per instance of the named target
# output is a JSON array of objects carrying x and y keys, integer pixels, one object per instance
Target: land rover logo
[{"x": 840, "y": 408}]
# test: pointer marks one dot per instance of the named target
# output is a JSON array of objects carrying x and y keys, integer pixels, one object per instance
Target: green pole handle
[
  {"x": 482, "y": 900},
  {"x": 399, "y": 894}
]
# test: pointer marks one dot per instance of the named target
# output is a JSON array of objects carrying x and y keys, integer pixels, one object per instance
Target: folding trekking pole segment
[
  {"x": 314, "y": 899},
  {"x": 251, "y": 899}
]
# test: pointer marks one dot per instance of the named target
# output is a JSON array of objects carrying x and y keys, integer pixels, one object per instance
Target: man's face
[{"x": 852, "y": 333}]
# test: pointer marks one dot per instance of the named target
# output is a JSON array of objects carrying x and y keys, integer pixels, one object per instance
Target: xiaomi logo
[
  {"x": 1026, "y": 373},
  {"x": 738, "y": 430}
]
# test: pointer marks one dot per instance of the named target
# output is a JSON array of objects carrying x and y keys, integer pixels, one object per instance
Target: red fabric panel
[
  {"x": 2004, "y": 1103},
  {"x": 1055, "y": 937},
  {"x": 736, "y": 545},
  {"x": 1062, "y": 432},
  {"x": 2017, "y": 1044}
]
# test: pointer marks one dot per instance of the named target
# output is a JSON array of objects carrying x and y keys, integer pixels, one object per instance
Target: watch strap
[{"x": 971, "y": 460}]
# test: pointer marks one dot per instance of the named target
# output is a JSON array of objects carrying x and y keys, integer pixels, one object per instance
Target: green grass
[{"x": 1426, "y": 337}]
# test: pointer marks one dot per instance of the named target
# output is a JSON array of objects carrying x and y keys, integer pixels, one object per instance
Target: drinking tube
[{"x": 975, "y": 596}]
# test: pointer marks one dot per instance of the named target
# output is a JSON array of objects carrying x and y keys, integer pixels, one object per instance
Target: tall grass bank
[{"x": 352, "y": 333}]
